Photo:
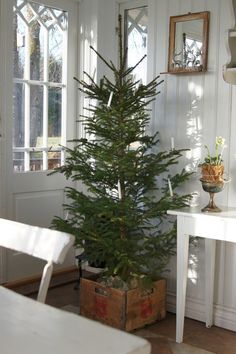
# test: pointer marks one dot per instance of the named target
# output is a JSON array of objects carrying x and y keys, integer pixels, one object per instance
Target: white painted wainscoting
[{"x": 194, "y": 109}]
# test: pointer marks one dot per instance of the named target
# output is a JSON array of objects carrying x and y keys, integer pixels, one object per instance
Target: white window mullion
[
  {"x": 64, "y": 97},
  {"x": 45, "y": 100},
  {"x": 27, "y": 126},
  {"x": 27, "y": 100},
  {"x": 38, "y": 82},
  {"x": 45, "y": 126}
]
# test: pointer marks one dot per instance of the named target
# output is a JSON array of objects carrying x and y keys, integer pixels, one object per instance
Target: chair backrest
[{"x": 49, "y": 245}]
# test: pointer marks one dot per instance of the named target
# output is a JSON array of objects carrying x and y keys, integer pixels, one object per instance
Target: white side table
[{"x": 211, "y": 226}]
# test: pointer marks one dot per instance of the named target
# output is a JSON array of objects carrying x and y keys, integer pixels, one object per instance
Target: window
[
  {"x": 39, "y": 86},
  {"x": 136, "y": 31}
]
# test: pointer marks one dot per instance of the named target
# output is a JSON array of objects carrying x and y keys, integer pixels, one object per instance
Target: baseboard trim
[
  {"x": 224, "y": 317},
  {"x": 30, "y": 285}
]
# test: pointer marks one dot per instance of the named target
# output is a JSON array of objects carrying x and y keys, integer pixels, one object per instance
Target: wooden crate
[{"x": 125, "y": 310}]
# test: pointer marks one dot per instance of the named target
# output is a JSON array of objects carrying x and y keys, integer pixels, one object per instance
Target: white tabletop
[
  {"x": 30, "y": 327},
  {"x": 227, "y": 212},
  {"x": 218, "y": 225}
]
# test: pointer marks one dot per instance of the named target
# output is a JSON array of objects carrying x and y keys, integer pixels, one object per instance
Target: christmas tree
[{"x": 120, "y": 220}]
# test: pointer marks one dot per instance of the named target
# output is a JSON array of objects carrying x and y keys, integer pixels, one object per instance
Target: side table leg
[
  {"x": 210, "y": 250},
  {"x": 182, "y": 273}
]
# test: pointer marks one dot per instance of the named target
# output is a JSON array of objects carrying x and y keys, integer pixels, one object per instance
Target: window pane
[
  {"x": 36, "y": 40},
  {"x": 19, "y": 46},
  {"x": 54, "y": 117},
  {"x": 36, "y": 116},
  {"x": 27, "y": 12},
  {"x": 136, "y": 29},
  {"x": 54, "y": 159},
  {"x": 18, "y": 115},
  {"x": 57, "y": 12},
  {"x": 55, "y": 54},
  {"x": 18, "y": 161},
  {"x": 36, "y": 161}
]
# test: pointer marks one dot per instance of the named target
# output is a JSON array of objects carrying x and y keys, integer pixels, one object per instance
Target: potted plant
[
  {"x": 212, "y": 168},
  {"x": 121, "y": 218}
]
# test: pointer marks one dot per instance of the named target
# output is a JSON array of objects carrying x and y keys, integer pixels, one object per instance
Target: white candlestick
[
  {"x": 119, "y": 189},
  {"x": 172, "y": 143},
  {"x": 170, "y": 188},
  {"x": 110, "y": 99}
]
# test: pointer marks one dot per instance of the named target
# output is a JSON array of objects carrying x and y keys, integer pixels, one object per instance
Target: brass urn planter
[{"x": 212, "y": 173}]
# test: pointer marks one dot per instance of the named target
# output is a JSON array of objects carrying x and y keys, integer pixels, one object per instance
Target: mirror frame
[{"x": 205, "y": 16}]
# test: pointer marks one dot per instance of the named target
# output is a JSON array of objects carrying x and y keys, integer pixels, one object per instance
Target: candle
[
  {"x": 172, "y": 143},
  {"x": 67, "y": 216},
  {"x": 94, "y": 73},
  {"x": 221, "y": 155},
  {"x": 110, "y": 99},
  {"x": 119, "y": 189},
  {"x": 170, "y": 188}
]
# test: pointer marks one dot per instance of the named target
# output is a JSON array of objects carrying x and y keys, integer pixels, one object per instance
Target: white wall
[{"x": 194, "y": 109}]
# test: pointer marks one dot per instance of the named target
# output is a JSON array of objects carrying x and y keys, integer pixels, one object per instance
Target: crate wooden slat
[{"x": 144, "y": 309}]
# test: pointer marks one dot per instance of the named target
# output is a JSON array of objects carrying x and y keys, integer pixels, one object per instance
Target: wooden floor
[
  {"x": 197, "y": 338},
  {"x": 162, "y": 334}
]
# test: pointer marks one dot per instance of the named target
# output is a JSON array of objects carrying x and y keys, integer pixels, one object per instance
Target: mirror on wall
[
  {"x": 229, "y": 69},
  {"x": 188, "y": 43}
]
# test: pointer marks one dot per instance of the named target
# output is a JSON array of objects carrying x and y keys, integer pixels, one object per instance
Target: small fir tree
[{"x": 119, "y": 220}]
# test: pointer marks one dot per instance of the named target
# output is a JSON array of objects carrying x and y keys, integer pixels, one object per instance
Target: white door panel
[{"x": 38, "y": 208}]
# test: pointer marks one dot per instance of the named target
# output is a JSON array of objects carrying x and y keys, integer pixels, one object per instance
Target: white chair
[{"x": 49, "y": 245}]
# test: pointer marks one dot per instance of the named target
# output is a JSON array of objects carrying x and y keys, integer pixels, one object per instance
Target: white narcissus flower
[
  {"x": 217, "y": 157},
  {"x": 220, "y": 141}
]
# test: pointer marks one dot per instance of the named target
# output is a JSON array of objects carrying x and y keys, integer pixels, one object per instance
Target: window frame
[
  {"x": 125, "y": 28},
  {"x": 28, "y": 83}
]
